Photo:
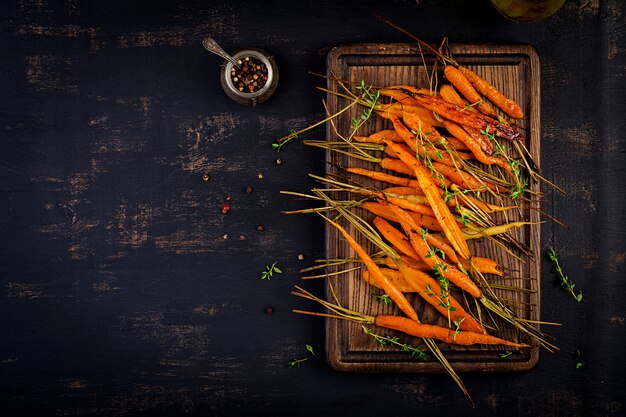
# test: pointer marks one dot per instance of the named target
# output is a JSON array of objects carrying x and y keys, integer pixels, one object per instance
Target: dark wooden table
[{"x": 119, "y": 294}]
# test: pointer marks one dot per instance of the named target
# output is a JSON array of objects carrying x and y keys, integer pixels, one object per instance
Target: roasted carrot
[
  {"x": 397, "y": 239},
  {"x": 479, "y": 121},
  {"x": 381, "y": 176},
  {"x": 500, "y": 100},
  {"x": 416, "y": 329},
  {"x": 378, "y": 137},
  {"x": 413, "y": 263},
  {"x": 483, "y": 265},
  {"x": 383, "y": 211},
  {"x": 425, "y": 253},
  {"x": 395, "y": 278},
  {"x": 403, "y": 190},
  {"x": 459, "y": 80},
  {"x": 425, "y": 129},
  {"x": 475, "y": 147},
  {"x": 398, "y": 95},
  {"x": 409, "y": 280},
  {"x": 463, "y": 179},
  {"x": 399, "y": 298},
  {"x": 398, "y": 108},
  {"x": 441, "y": 210},
  {"x": 393, "y": 164},
  {"x": 449, "y": 94},
  {"x": 401, "y": 242}
]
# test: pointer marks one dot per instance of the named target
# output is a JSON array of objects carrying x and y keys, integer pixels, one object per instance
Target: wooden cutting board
[{"x": 514, "y": 70}]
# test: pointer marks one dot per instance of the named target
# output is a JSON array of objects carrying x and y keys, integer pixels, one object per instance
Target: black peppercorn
[{"x": 252, "y": 75}]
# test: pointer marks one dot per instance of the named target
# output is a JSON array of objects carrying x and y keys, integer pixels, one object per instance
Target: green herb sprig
[
  {"x": 297, "y": 363},
  {"x": 270, "y": 270},
  {"x": 417, "y": 351},
  {"x": 566, "y": 283}
]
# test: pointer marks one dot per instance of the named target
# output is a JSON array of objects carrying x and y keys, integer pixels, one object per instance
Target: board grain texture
[{"x": 514, "y": 70}]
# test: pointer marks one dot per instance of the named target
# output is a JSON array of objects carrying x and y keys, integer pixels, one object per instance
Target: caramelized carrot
[
  {"x": 399, "y": 298},
  {"x": 397, "y": 239},
  {"x": 378, "y": 137},
  {"x": 463, "y": 179},
  {"x": 417, "y": 329},
  {"x": 500, "y": 100},
  {"x": 441, "y": 210},
  {"x": 396, "y": 165},
  {"x": 483, "y": 265},
  {"x": 381, "y": 176},
  {"x": 475, "y": 147},
  {"x": 457, "y": 78},
  {"x": 425, "y": 253},
  {"x": 410, "y": 280},
  {"x": 449, "y": 94},
  {"x": 398, "y": 108},
  {"x": 449, "y": 111},
  {"x": 383, "y": 211}
]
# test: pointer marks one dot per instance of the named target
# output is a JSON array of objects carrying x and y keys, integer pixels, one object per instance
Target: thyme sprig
[
  {"x": 417, "y": 351},
  {"x": 296, "y": 363},
  {"x": 566, "y": 282},
  {"x": 270, "y": 270}
]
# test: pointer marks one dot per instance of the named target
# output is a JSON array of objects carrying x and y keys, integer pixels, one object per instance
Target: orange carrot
[
  {"x": 381, "y": 176},
  {"x": 475, "y": 147},
  {"x": 401, "y": 242},
  {"x": 410, "y": 280},
  {"x": 398, "y": 108},
  {"x": 463, "y": 179},
  {"x": 441, "y": 210},
  {"x": 383, "y": 211},
  {"x": 403, "y": 190},
  {"x": 438, "y": 243},
  {"x": 425, "y": 150},
  {"x": 397, "y": 165},
  {"x": 449, "y": 94},
  {"x": 457, "y": 78},
  {"x": 425, "y": 253},
  {"x": 416, "y": 329},
  {"x": 398, "y": 95},
  {"x": 483, "y": 265},
  {"x": 500, "y": 100},
  {"x": 399, "y": 298},
  {"x": 479, "y": 121},
  {"x": 397, "y": 239},
  {"x": 395, "y": 278},
  {"x": 377, "y": 137}
]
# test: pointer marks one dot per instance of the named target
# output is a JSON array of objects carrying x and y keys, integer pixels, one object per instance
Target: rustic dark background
[{"x": 119, "y": 294}]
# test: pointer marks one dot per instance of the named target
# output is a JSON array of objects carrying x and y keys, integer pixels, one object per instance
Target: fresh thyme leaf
[
  {"x": 310, "y": 349},
  {"x": 296, "y": 363},
  {"x": 270, "y": 270},
  {"x": 386, "y": 340},
  {"x": 505, "y": 354},
  {"x": 579, "y": 363},
  {"x": 566, "y": 283}
]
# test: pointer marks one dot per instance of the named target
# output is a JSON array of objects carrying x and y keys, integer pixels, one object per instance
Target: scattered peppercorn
[
  {"x": 225, "y": 208},
  {"x": 228, "y": 198},
  {"x": 226, "y": 237},
  {"x": 279, "y": 161},
  {"x": 242, "y": 237},
  {"x": 260, "y": 228},
  {"x": 252, "y": 75},
  {"x": 249, "y": 190},
  {"x": 260, "y": 176},
  {"x": 205, "y": 177},
  {"x": 269, "y": 310},
  {"x": 301, "y": 257}
]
